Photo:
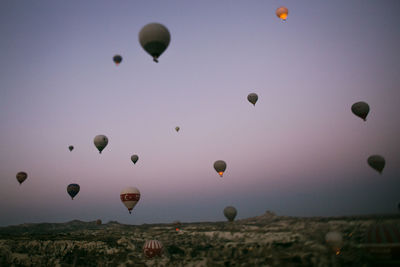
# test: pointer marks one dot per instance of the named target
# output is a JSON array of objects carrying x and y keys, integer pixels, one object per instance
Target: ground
[{"x": 265, "y": 240}]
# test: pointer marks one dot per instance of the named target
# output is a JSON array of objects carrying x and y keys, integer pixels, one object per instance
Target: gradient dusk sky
[{"x": 299, "y": 152}]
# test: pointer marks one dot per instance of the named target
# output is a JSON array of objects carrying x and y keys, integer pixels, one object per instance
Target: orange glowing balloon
[{"x": 282, "y": 13}]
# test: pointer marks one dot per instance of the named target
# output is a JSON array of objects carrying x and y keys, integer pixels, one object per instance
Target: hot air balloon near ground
[
  {"x": 220, "y": 167},
  {"x": 71, "y": 148},
  {"x": 335, "y": 241},
  {"x": 177, "y": 128},
  {"x": 177, "y": 225},
  {"x": 130, "y": 197},
  {"x": 360, "y": 109},
  {"x": 117, "y": 59},
  {"x": 100, "y": 141},
  {"x": 153, "y": 248},
  {"x": 253, "y": 97},
  {"x": 73, "y": 190},
  {"x": 376, "y": 162},
  {"x": 134, "y": 158},
  {"x": 230, "y": 213},
  {"x": 21, "y": 177},
  {"x": 98, "y": 222},
  {"x": 282, "y": 13},
  {"x": 154, "y": 38}
]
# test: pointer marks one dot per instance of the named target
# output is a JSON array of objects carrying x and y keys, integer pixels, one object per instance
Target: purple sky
[{"x": 299, "y": 152}]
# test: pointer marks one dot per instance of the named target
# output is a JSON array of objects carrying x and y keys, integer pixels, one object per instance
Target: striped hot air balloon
[
  {"x": 383, "y": 242},
  {"x": 153, "y": 248},
  {"x": 130, "y": 197}
]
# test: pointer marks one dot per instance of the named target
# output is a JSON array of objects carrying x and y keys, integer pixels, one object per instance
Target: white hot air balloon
[{"x": 130, "y": 197}]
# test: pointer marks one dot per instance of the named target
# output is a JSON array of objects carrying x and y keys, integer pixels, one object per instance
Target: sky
[{"x": 298, "y": 152}]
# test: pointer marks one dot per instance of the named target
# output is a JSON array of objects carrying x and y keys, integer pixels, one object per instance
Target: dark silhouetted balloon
[
  {"x": 177, "y": 128},
  {"x": 253, "y": 97},
  {"x": 73, "y": 190},
  {"x": 153, "y": 248},
  {"x": 376, "y": 162},
  {"x": 130, "y": 197},
  {"x": 98, "y": 222},
  {"x": 21, "y": 177},
  {"x": 220, "y": 167},
  {"x": 134, "y": 158},
  {"x": 71, "y": 148},
  {"x": 100, "y": 141},
  {"x": 282, "y": 13},
  {"x": 230, "y": 213},
  {"x": 117, "y": 59},
  {"x": 154, "y": 38},
  {"x": 360, "y": 109}
]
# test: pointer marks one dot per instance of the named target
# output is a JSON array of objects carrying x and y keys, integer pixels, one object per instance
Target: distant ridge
[{"x": 77, "y": 225}]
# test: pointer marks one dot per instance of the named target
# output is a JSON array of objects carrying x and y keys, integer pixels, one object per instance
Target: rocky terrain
[{"x": 265, "y": 240}]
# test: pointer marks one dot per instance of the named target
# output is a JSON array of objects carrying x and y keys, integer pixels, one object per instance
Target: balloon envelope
[
  {"x": 117, "y": 59},
  {"x": 253, "y": 97},
  {"x": 154, "y": 38},
  {"x": 153, "y": 248},
  {"x": 134, "y": 158},
  {"x": 100, "y": 141},
  {"x": 376, "y": 162},
  {"x": 334, "y": 240},
  {"x": 360, "y": 109},
  {"x": 71, "y": 148},
  {"x": 21, "y": 177},
  {"x": 177, "y": 128},
  {"x": 130, "y": 197},
  {"x": 230, "y": 213},
  {"x": 98, "y": 222},
  {"x": 220, "y": 167},
  {"x": 282, "y": 13},
  {"x": 73, "y": 190}
]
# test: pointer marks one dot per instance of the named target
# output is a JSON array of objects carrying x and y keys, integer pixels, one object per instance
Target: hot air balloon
[
  {"x": 376, "y": 162},
  {"x": 230, "y": 213},
  {"x": 73, "y": 190},
  {"x": 100, "y": 141},
  {"x": 177, "y": 225},
  {"x": 130, "y": 197},
  {"x": 253, "y": 97},
  {"x": 154, "y": 38},
  {"x": 282, "y": 13},
  {"x": 335, "y": 241},
  {"x": 177, "y": 128},
  {"x": 220, "y": 167},
  {"x": 71, "y": 148},
  {"x": 21, "y": 177},
  {"x": 152, "y": 248},
  {"x": 98, "y": 222},
  {"x": 117, "y": 59},
  {"x": 360, "y": 109},
  {"x": 134, "y": 158}
]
